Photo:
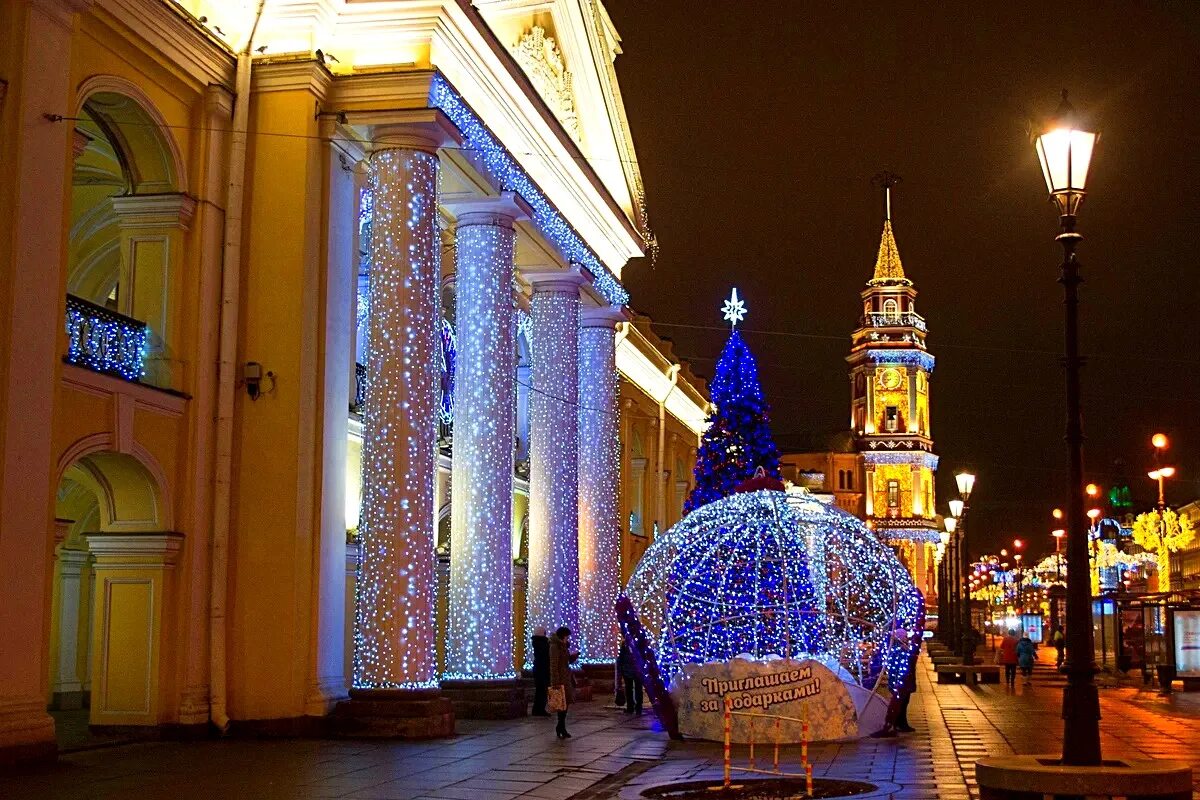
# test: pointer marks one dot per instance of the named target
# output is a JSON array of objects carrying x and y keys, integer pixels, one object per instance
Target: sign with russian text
[{"x": 761, "y": 692}]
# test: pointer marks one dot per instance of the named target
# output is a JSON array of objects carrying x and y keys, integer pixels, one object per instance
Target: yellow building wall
[{"x": 276, "y": 439}]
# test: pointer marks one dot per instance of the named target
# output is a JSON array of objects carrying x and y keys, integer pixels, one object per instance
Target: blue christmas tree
[{"x": 738, "y": 440}]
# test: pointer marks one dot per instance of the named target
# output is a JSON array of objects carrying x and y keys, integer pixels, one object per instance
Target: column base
[
  {"x": 1035, "y": 777},
  {"x": 67, "y": 701},
  {"x": 26, "y": 733},
  {"x": 394, "y": 714},
  {"x": 484, "y": 699}
]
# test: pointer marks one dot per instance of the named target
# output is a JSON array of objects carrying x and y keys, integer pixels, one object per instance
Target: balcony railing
[
  {"x": 105, "y": 341},
  {"x": 908, "y": 319}
]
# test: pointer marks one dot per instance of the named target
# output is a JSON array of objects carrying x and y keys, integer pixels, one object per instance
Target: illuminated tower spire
[
  {"x": 888, "y": 269},
  {"x": 890, "y": 373}
]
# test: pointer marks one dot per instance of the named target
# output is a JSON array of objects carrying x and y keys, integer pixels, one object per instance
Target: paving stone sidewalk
[{"x": 615, "y": 756}]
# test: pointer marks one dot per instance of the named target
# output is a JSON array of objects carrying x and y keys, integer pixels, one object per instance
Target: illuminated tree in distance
[
  {"x": 738, "y": 439},
  {"x": 1162, "y": 533}
]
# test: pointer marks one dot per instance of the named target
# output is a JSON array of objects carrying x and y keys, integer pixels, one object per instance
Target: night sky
[{"x": 758, "y": 128}]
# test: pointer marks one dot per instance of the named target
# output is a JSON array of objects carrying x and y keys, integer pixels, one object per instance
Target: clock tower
[{"x": 889, "y": 409}]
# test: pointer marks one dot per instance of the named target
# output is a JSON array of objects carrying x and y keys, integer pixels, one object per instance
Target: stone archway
[
  {"x": 113, "y": 574},
  {"x": 129, "y": 213}
]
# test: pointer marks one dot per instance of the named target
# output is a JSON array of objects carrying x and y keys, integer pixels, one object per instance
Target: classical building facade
[
  {"x": 315, "y": 355},
  {"x": 885, "y": 472}
]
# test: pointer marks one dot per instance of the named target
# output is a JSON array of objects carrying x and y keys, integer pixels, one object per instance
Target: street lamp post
[
  {"x": 1065, "y": 150},
  {"x": 956, "y": 575},
  {"x": 966, "y": 482},
  {"x": 943, "y": 582}
]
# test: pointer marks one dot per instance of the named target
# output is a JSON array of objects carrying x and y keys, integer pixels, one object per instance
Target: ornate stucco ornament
[{"x": 542, "y": 61}]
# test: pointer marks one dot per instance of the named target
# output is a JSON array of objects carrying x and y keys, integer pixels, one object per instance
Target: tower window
[
  {"x": 841, "y": 479},
  {"x": 891, "y": 418},
  {"x": 890, "y": 307},
  {"x": 893, "y": 494},
  {"x": 850, "y": 480}
]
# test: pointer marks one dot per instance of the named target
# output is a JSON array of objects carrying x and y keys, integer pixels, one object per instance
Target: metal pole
[
  {"x": 1081, "y": 701},
  {"x": 968, "y": 645},
  {"x": 952, "y": 594}
]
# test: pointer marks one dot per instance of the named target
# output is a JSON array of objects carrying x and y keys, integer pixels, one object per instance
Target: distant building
[
  {"x": 1185, "y": 564},
  {"x": 885, "y": 472}
]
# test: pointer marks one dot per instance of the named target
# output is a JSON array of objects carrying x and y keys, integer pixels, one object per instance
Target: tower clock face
[{"x": 890, "y": 379}]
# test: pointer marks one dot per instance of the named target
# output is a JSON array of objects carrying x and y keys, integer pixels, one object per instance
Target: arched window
[
  {"x": 891, "y": 308},
  {"x": 841, "y": 479}
]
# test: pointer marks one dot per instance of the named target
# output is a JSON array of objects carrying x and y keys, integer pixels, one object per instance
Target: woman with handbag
[{"x": 562, "y": 685}]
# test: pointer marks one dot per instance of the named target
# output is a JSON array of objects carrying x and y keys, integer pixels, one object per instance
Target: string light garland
[
  {"x": 553, "y": 593},
  {"x": 777, "y": 574},
  {"x": 394, "y": 607},
  {"x": 479, "y": 644},
  {"x": 599, "y": 516},
  {"x": 907, "y": 358},
  {"x": 105, "y": 341},
  {"x": 922, "y": 459},
  {"x": 497, "y": 163}
]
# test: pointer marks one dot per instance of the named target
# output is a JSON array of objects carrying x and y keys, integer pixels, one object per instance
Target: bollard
[
  {"x": 808, "y": 781},
  {"x": 729, "y": 725},
  {"x": 752, "y": 765},
  {"x": 775, "y": 765}
]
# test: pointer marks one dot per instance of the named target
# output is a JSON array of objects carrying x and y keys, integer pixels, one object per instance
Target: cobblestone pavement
[{"x": 612, "y": 755}]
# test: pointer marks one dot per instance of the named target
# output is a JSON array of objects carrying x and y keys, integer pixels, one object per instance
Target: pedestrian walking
[
  {"x": 1007, "y": 656},
  {"x": 1026, "y": 652},
  {"x": 562, "y": 685},
  {"x": 633, "y": 681},
  {"x": 1059, "y": 640},
  {"x": 541, "y": 671}
]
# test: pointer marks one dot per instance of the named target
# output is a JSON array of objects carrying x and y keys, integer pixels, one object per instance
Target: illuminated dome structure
[{"x": 771, "y": 574}]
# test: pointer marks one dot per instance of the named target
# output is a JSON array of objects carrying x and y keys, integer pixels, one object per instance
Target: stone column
[
  {"x": 395, "y": 627},
  {"x": 67, "y": 691},
  {"x": 554, "y": 453},
  {"x": 479, "y": 644},
  {"x": 599, "y": 469}
]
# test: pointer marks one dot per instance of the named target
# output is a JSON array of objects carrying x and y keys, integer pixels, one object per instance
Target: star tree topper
[{"x": 734, "y": 309}]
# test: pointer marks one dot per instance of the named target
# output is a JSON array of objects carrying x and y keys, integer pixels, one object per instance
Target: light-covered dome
[{"x": 770, "y": 574}]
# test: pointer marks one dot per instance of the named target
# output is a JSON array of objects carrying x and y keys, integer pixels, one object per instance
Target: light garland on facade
[
  {"x": 447, "y": 357},
  {"x": 104, "y": 341},
  {"x": 928, "y": 460},
  {"x": 599, "y": 517},
  {"x": 479, "y": 644},
  {"x": 496, "y": 162},
  {"x": 553, "y": 594},
  {"x": 771, "y": 573},
  {"x": 394, "y": 608},
  {"x": 908, "y": 358}
]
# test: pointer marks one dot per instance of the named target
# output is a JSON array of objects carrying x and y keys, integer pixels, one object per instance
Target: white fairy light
[
  {"x": 734, "y": 309},
  {"x": 479, "y": 644},
  {"x": 394, "y": 619},
  {"x": 553, "y": 594},
  {"x": 599, "y": 517}
]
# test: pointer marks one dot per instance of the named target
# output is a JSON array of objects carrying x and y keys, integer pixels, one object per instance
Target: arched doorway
[
  {"x": 114, "y": 559},
  {"x": 129, "y": 213}
]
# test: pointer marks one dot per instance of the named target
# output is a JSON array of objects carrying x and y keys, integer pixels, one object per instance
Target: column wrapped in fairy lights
[
  {"x": 394, "y": 609},
  {"x": 480, "y": 641},
  {"x": 599, "y": 462},
  {"x": 553, "y": 595}
]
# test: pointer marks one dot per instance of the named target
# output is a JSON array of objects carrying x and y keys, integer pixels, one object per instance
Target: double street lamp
[
  {"x": 960, "y": 509},
  {"x": 1064, "y": 150}
]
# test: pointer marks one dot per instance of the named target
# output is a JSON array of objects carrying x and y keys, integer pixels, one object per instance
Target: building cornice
[{"x": 184, "y": 43}]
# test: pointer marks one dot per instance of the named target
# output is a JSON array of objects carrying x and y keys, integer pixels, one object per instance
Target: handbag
[{"x": 556, "y": 699}]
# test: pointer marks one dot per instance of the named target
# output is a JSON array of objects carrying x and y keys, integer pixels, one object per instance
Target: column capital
[
  {"x": 154, "y": 211},
  {"x": 603, "y": 316},
  {"x": 499, "y": 211},
  {"x": 135, "y": 550},
  {"x": 556, "y": 281},
  {"x": 425, "y": 129}
]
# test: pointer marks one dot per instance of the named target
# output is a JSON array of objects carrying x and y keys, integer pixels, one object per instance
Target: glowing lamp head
[
  {"x": 1092, "y": 490},
  {"x": 1058, "y": 534},
  {"x": 1017, "y": 543},
  {"x": 956, "y": 508},
  {"x": 966, "y": 482},
  {"x": 945, "y": 535},
  {"x": 1159, "y": 440},
  {"x": 1004, "y": 553},
  {"x": 1166, "y": 472},
  {"x": 951, "y": 525},
  {"x": 1064, "y": 150},
  {"x": 1057, "y": 513},
  {"x": 1093, "y": 514}
]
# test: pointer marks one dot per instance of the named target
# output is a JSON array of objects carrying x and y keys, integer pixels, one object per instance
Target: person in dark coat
[
  {"x": 633, "y": 681},
  {"x": 541, "y": 671},
  {"x": 560, "y": 673}
]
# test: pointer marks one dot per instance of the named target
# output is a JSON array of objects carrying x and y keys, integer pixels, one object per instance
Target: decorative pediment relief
[{"x": 542, "y": 61}]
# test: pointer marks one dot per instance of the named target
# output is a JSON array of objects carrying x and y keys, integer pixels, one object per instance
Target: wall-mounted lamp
[{"x": 253, "y": 377}]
